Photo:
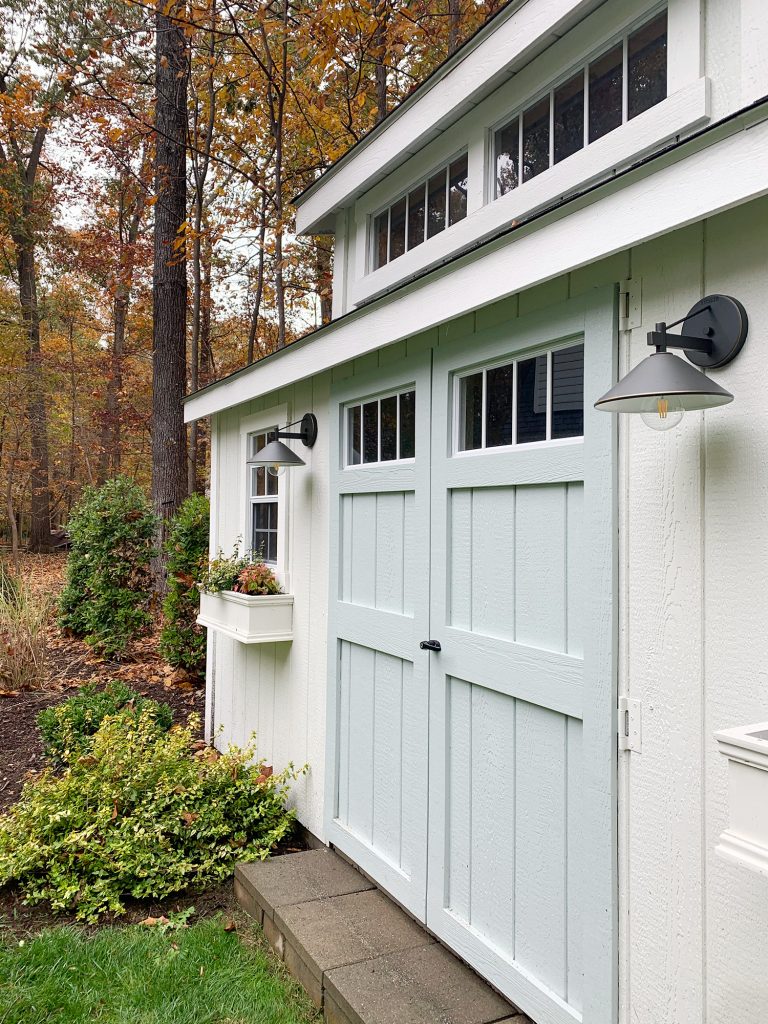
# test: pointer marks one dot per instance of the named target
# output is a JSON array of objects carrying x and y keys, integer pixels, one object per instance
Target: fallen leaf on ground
[{"x": 153, "y": 922}]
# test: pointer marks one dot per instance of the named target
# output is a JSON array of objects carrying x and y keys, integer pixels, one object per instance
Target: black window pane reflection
[
  {"x": 568, "y": 392},
  {"x": 381, "y": 236},
  {"x": 498, "y": 413},
  {"x": 397, "y": 230},
  {"x": 389, "y": 428},
  {"x": 272, "y": 482},
  {"x": 353, "y": 435},
  {"x": 508, "y": 157},
  {"x": 532, "y": 400},
  {"x": 647, "y": 66},
  {"x": 471, "y": 418},
  {"x": 457, "y": 190},
  {"x": 536, "y": 139},
  {"x": 436, "y": 204},
  {"x": 569, "y": 118},
  {"x": 605, "y": 86},
  {"x": 416, "y": 204},
  {"x": 371, "y": 432},
  {"x": 264, "y": 534},
  {"x": 261, "y": 481},
  {"x": 407, "y": 425}
]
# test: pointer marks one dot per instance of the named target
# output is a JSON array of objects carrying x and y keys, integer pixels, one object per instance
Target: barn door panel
[
  {"x": 379, "y": 607},
  {"x": 522, "y": 718}
]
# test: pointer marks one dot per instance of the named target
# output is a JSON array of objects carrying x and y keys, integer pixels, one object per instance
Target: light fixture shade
[
  {"x": 276, "y": 454},
  {"x": 663, "y": 374}
]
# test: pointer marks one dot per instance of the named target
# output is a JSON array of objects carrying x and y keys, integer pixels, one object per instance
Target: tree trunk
[
  {"x": 40, "y": 501},
  {"x": 169, "y": 282},
  {"x": 454, "y": 25},
  {"x": 380, "y": 55},
  {"x": 254, "y": 329},
  {"x": 115, "y": 386},
  {"x": 324, "y": 272},
  {"x": 206, "y": 353}
]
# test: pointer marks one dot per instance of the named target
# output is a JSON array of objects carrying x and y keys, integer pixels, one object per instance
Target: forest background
[{"x": 148, "y": 158}]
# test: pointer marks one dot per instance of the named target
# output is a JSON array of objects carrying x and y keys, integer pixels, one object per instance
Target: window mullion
[
  {"x": 483, "y": 408},
  {"x": 514, "y": 402},
  {"x": 586, "y": 106}
]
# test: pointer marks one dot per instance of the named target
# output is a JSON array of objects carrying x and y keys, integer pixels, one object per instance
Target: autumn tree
[{"x": 169, "y": 282}]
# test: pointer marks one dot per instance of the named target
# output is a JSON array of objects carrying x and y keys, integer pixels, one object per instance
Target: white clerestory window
[{"x": 626, "y": 78}]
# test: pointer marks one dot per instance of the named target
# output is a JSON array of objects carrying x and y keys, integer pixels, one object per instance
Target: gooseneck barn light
[
  {"x": 276, "y": 456},
  {"x": 663, "y": 386}
]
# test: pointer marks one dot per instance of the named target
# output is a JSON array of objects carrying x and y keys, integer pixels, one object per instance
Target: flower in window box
[{"x": 255, "y": 580}]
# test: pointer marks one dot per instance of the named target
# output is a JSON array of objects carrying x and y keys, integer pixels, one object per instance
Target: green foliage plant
[
  {"x": 67, "y": 729},
  {"x": 241, "y": 575},
  {"x": 145, "y": 814},
  {"x": 106, "y": 599},
  {"x": 24, "y": 617},
  {"x": 182, "y": 641}
]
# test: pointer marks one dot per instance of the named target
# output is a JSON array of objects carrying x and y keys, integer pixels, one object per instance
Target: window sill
[
  {"x": 681, "y": 112},
  {"x": 246, "y": 618},
  {"x": 745, "y": 841}
]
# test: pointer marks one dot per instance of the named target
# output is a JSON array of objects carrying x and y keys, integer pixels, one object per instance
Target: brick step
[{"x": 359, "y": 956}]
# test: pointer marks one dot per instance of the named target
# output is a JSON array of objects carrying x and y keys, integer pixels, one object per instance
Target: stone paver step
[{"x": 359, "y": 956}]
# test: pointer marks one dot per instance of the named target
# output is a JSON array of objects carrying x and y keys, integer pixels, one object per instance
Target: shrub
[
  {"x": 108, "y": 590},
  {"x": 145, "y": 814},
  {"x": 67, "y": 729},
  {"x": 182, "y": 641},
  {"x": 24, "y": 618},
  {"x": 238, "y": 574}
]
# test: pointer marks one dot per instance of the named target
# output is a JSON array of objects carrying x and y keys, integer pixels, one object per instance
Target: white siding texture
[{"x": 693, "y": 608}]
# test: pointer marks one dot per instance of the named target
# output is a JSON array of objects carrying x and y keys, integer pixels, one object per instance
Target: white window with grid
[
  {"x": 263, "y": 518},
  {"x": 264, "y": 497}
]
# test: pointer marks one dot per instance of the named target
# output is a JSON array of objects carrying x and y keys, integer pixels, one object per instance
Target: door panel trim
[
  {"x": 391, "y": 633},
  {"x": 593, "y": 316}
]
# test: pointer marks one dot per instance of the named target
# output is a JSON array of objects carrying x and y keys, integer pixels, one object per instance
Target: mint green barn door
[
  {"x": 522, "y": 818},
  {"x": 379, "y": 611},
  {"x": 477, "y": 784}
]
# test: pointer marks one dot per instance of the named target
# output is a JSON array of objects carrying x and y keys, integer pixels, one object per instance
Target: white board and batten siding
[
  {"x": 476, "y": 784},
  {"x": 276, "y": 691}
]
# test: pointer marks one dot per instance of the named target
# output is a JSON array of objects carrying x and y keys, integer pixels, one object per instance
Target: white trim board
[{"x": 660, "y": 199}]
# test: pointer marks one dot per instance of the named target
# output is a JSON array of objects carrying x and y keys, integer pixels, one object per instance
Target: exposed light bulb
[
  {"x": 276, "y": 470},
  {"x": 666, "y": 414}
]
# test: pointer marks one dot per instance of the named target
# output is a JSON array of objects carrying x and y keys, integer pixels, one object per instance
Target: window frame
[
  {"x": 550, "y": 442},
  {"x": 582, "y": 65},
  {"x": 251, "y": 426},
  {"x": 404, "y": 193},
  {"x": 378, "y": 396}
]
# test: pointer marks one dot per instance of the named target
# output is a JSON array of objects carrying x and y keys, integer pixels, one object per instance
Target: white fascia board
[
  {"x": 659, "y": 199},
  {"x": 511, "y": 42}
]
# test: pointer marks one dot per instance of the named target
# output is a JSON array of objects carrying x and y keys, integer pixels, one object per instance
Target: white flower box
[
  {"x": 250, "y": 619},
  {"x": 746, "y": 838}
]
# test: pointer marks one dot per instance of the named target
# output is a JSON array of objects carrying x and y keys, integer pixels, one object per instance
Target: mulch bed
[{"x": 70, "y": 665}]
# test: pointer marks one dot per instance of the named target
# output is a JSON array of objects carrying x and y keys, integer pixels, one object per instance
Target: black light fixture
[
  {"x": 663, "y": 386},
  {"x": 276, "y": 456}
]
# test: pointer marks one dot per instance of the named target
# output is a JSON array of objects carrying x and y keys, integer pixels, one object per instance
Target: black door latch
[{"x": 430, "y": 645}]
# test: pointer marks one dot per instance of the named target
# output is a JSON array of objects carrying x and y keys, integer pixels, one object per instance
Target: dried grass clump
[{"x": 24, "y": 617}]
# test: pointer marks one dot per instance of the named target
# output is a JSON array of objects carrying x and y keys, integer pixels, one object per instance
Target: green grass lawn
[{"x": 143, "y": 975}]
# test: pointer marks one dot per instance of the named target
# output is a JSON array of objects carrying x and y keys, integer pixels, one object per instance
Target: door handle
[{"x": 430, "y": 645}]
